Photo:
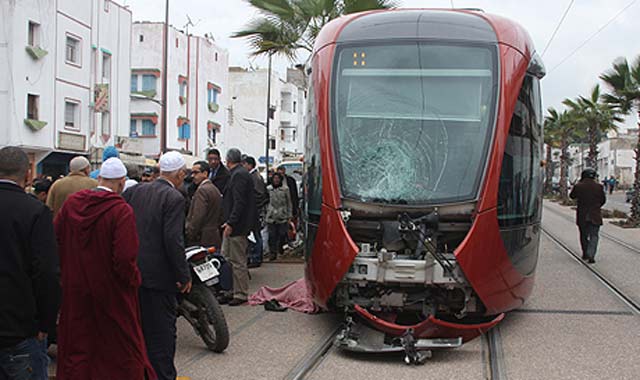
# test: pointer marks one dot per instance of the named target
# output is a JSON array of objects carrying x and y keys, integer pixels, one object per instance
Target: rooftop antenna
[{"x": 190, "y": 23}]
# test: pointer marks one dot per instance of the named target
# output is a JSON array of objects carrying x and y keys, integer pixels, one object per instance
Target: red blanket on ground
[{"x": 295, "y": 296}]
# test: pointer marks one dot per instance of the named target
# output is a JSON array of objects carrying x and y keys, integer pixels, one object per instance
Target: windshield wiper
[{"x": 394, "y": 201}]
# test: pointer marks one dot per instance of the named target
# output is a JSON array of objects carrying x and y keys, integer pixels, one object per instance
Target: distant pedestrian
[
  {"x": 100, "y": 332},
  {"x": 239, "y": 205},
  {"x": 605, "y": 183},
  {"x": 108, "y": 152},
  {"x": 205, "y": 212},
  {"x": 590, "y": 196},
  {"x": 612, "y": 184},
  {"x": 29, "y": 291},
  {"x": 133, "y": 176},
  {"x": 160, "y": 216},
  {"x": 262, "y": 200},
  {"x": 219, "y": 175},
  {"x": 278, "y": 215},
  {"x": 290, "y": 183},
  {"x": 78, "y": 179},
  {"x": 147, "y": 175}
]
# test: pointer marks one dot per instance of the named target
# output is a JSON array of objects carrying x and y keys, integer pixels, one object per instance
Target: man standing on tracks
[
  {"x": 159, "y": 210},
  {"x": 590, "y": 196}
]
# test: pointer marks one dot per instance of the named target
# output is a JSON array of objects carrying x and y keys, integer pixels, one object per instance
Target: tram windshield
[{"x": 413, "y": 121}]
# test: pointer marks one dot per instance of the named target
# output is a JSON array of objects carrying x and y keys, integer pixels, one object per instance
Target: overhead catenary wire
[
  {"x": 583, "y": 44},
  {"x": 566, "y": 11}
]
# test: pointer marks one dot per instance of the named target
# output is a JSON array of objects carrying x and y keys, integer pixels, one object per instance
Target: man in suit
[
  {"x": 30, "y": 291},
  {"x": 78, "y": 179},
  {"x": 262, "y": 200},
  {"x": 590, "y": 196},
  {"x": 218, "y": 174},
  {"x": 205, "y": 212},
  {"x": 159, "y": 210},
  {"x": 239, "y": 204}
]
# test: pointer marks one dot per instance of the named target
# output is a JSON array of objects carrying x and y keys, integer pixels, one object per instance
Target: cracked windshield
[{"x": 413, "y": 121}]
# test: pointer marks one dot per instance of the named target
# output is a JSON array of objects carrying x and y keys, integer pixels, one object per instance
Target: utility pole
[
  {"x": 165, "y": 64},
  {"x": 266, "y": 152}
]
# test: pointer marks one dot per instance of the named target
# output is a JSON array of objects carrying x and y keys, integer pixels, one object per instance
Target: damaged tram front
[{"x": 409, "y": 176}]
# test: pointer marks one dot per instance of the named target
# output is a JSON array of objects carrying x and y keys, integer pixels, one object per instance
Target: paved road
[{"x": 616, "y": 201}]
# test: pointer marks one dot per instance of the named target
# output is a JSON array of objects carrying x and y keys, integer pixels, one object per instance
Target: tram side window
[
  {"x": 519, "y": 197},
  {"x": 313, "y": 170}
]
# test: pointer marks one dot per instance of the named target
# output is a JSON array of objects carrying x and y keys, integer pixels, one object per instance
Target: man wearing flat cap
[
  {"x": 78, "y": 179},
  {"x": 100, "y": 332},
  {"x": 160, "y": 219}
]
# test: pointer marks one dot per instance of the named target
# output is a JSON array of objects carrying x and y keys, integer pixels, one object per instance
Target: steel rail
[
  {"x": 632, "y": 304},
  {"x": 496, "y": 363},
  {"x": 313, "y": 357}
]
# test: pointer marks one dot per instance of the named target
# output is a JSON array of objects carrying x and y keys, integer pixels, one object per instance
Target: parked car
[{"x": 630, "y": 194}]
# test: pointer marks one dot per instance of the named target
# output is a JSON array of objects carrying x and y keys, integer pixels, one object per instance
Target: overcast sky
[{"x": 576, "y": 76}]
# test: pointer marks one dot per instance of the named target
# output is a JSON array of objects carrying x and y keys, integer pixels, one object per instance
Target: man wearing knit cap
[
  {"x": 108, "y": 153},
  {"x": 78, "y": 179},
  {"x": 160, "y": 216},
  {"x": 239, "y": 207},
  {"x": 100, "y": 331}
]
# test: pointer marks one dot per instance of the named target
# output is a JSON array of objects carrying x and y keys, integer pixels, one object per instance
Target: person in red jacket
[{"x": 100, "y": 333}]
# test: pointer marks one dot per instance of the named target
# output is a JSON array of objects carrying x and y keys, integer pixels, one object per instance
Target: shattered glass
[{"x": 411, "y": 132}]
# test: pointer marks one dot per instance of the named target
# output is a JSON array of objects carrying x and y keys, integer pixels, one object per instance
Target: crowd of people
[{"x": 98, "y": 256}]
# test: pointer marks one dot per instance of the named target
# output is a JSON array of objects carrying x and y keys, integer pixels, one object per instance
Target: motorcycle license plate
[{"x": 206, "y": 271}]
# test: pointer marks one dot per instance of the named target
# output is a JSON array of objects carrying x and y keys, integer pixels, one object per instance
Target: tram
[{"x": 423, "y": 175}]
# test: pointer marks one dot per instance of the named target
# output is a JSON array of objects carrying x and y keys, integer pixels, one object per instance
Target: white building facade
[
  {"x": 197, "y": 77},
  {"x": 248, "y": 114},
  {"x": 63, "y": 87}
]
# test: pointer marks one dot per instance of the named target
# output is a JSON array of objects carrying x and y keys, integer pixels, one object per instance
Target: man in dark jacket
[
  {"x": 29, "y": 291},
  {"x": 290, "y": 182},
  {"x": 218, "y": 174},
  {"x": 239, "y": 204},
  {"x": 159, "y": 211},
  {"x": 262, "y": 200},
  {"x": 205, "y": 212},
  {"x": 590, "y": 196}
]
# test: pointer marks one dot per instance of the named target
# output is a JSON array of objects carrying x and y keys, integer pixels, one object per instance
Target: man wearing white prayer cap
[
  {"x": 160, "y": 216},
  {"x": 78, "y": 179},
  {"x": 97, "y": 236}
]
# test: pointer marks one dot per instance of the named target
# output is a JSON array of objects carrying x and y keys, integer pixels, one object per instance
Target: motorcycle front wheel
[{"x": 211, "y": 325}]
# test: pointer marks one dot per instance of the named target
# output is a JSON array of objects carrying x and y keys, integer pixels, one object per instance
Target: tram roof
[{"x": 437, "y": 24}]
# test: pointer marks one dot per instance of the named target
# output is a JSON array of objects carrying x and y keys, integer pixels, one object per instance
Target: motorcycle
[{"x": 200, "y": 306}]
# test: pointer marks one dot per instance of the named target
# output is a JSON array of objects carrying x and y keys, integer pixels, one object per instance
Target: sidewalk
[{"x": 630, "y": 236}]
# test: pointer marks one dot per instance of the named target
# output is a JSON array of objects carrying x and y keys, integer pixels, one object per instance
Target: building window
[
  {"x": 184, "y": 132},
  {"x": 212, "y": 95},
  {"x": 71, "y": 115},
  {"x": 272, "y": 143},
  {"x": 282, "y": 134},
  {"x": 216, "y": 57},
  {"x": 148, "y": 128},
  {"x": 34, "y": 34},
  {"x": 106, "y": 67},
  {"x": 183, "y": 88},
  {"x": 177, "y": 43},
  {"x": 134, "y": 83},
  {"x": 141, "y": 38},
  {"x": 73, "y": 50},
  {"x": 106, "y": 5},
  {"x": 33, "y": 105},
  {"x": 211, "y": 134},
  {"x": 133, "y": 128},
  {"x": 294, "y": 106},
  {"x": 148, "y": 82},
  {"x": 294, "y": 135}
]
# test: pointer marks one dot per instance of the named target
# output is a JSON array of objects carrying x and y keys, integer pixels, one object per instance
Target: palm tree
[
  {"x": 623, "y": 81},
  {"x": 596, "y": 118},
  {"x": 288, "y": 26},
  {"x": 563, "y": 127}
]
